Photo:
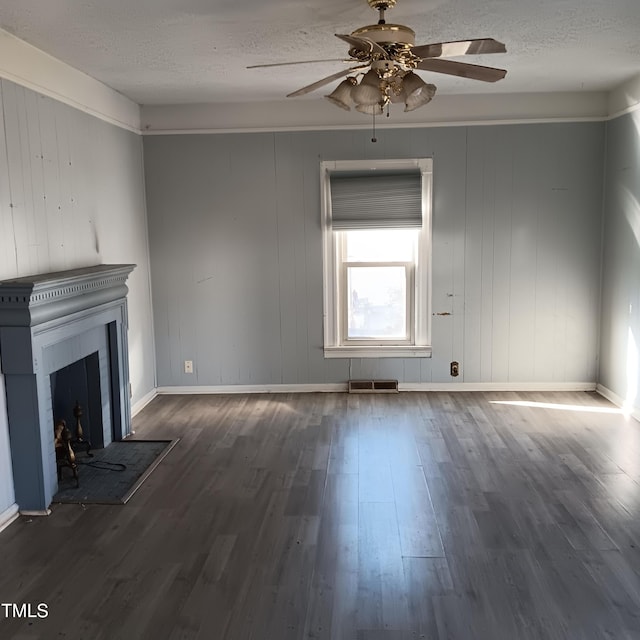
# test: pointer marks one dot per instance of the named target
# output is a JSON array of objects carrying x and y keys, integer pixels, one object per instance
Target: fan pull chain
[{"x": 374, "y": 139}]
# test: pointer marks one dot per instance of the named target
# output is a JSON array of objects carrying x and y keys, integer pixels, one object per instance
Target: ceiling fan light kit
[
  {"x": 341, "y": 95},
  {"x": 368, "y": 91},
  {"x": 391, "y": 56},
  {"x": 418, "y": 92},
  {"x": 375, "y": 109}
]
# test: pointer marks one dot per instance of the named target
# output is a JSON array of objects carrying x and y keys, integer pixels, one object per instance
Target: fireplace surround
[{"x": 48, "y": 322}]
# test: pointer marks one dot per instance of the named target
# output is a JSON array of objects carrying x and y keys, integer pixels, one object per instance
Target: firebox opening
[{"x": 76, "y": 395}]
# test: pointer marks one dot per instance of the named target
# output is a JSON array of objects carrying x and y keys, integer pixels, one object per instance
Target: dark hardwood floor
[{"x": 355, "y": 517}]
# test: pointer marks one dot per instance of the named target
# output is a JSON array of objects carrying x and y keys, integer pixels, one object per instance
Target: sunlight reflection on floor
[{"x": 560, "y": 407}]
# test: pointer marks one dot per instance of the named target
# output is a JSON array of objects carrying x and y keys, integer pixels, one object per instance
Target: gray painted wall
[
  {"x": 236, "y": 259},
  {"x": 72, "y": 194},
  {"x": 620, "y": 342}
]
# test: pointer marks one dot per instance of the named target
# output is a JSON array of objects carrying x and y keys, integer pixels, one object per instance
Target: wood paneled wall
[
  {"x": 234, "y": 223},
  {"x": 71, "y": 195}
]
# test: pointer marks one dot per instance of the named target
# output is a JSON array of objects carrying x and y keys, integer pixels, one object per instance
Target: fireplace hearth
[{"x": 48, "y": 324}]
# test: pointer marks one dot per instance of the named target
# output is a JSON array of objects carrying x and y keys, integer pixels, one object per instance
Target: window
[{"x": 376, "y": 244}]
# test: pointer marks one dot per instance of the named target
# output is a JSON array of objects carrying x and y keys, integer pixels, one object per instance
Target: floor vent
[{"x": 373, "y": 386}]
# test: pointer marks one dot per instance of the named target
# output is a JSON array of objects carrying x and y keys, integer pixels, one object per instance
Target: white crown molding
[
  {"x": 34, "y": 69},
  {"x": 319, "y": 114}
]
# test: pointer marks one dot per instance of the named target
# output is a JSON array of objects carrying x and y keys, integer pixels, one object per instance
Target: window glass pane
[
  {"x": 377, "y": 302},
  {"x": 380, "y": 245}
]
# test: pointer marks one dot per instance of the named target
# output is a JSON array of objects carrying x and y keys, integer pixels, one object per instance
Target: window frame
[
  {"x": 335, "y": 308},
  {"x": 343, "y": 300}
]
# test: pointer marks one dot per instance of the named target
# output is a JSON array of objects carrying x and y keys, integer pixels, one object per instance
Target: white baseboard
[
  {"x": 634, "y": 412},
  {"x": 497, "y": 386},
  {"x": 137, "y": 407},
  {"x": 8, "y": 516},
  {"x": 254, "y": 388},
  {"x": 403, "y": 386},
  {"x": 37, "y": 512}
]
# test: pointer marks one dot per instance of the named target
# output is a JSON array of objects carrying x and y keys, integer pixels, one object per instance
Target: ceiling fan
[{"x": 388, "y": 50}]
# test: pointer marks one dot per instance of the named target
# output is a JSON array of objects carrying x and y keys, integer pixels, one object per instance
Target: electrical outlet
[
  {"x": 454, "y": 369},
  {"x": 188, "y": 366}
]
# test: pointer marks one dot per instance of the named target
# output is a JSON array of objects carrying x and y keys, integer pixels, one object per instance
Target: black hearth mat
[{"x": 114, "y": 473}]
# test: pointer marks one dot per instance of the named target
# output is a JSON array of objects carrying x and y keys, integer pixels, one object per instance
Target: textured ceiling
[{"x": 194, "y": 51}]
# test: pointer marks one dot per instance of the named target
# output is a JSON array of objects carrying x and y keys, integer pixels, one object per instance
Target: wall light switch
[{"x": 188, "y": 366}]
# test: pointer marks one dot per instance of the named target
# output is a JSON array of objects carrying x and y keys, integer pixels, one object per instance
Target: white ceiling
[{"x": 196, "y": 51}]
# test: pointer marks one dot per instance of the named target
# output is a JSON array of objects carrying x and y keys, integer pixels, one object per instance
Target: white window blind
[{"x": 376, "y": 200}]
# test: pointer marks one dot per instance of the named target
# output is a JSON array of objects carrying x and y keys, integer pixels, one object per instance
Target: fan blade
[
  {"x": 363, "y": 43},
  {"x": 463, "y": 70},
  {"x": 459, "y": 48},
  {"x": 327, "y": 80},
  {"x": 283, "y": 64}
]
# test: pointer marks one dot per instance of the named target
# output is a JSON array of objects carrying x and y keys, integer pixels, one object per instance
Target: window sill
[{"x": 377, "y": 352}]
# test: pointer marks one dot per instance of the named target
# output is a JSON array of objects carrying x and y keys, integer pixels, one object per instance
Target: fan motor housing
[
  {"x": 387, "y": 34},
  {"x": 381, "y": 4}
]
